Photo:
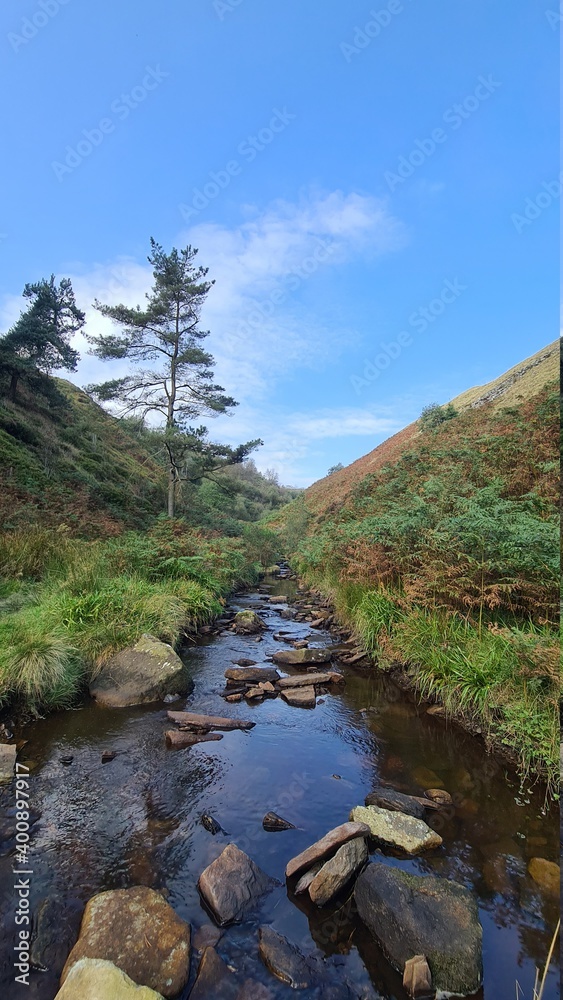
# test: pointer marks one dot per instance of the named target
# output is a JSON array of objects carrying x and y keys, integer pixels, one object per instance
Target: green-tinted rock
[
  {"x": 145, "y": 672},
  {"x": 96, "y": 979},
  {"x": 396, "y": 829}
]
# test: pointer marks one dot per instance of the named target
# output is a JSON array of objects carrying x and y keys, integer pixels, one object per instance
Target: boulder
[
  {"x": 94, "y": 978},
  {"x": 248, "y": 623},
  {"x": 252, "y": 675},
  {"x": 214, "y": 978},
  {"x": 116, "y": 926},
  {"x": 325, "y": 847},
  {"x": 146, "y": 672},
  {"x": 298, "y": 680},
  {"x": 284, "y": 960},
  {"x": 417, "y": 978},
  {"x": 300, "y": 697},
  {"x": 394, "y": 829},
  {"x": 8, "y": 754},
  {"x": 423, "y": 915},
  {"x": 297, "y": 657},
  {"x": 232, "y": 884},
  {"x": 439, "y": 796},
  {"x": 273, "y": 823},
  {"x": 338, "y": 872},
  {"x": 386, "y": 798},
  {"x": 546, "y": 874}
]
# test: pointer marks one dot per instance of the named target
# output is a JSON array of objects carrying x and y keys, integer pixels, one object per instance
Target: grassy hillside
[
  {"x": 69, "y": 462},
  {"x": 440, "y": 547}
]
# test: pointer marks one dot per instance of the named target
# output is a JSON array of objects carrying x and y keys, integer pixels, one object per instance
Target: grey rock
[
  {"x": 8, "y": 755},
  {"x": 232, "y": 884},
  {"x": 338, "y": 872},
  {"x": 214, "y": 978},
  {"x": 298, "y": 657},
  {"x": 396, "y": 830},
  {"x": 284, "y": 960},
  {"x": 422, "y": 915},
  {"x": 325, "y": 847},
  {"x": 386, "y": 798},
  {"x": 146, "y": 672},
  {"x": 300, "y": 697}
]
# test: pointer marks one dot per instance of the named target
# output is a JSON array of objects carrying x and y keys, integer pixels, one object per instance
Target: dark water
[{"x": 136, "y": 820}]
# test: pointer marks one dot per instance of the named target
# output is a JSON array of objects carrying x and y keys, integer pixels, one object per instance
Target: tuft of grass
[{"x": 39, "y": 666}]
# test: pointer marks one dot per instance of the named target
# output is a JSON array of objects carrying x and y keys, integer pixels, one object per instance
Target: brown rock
[
  {"x": 232, "y": 885},
  {"x": 307, "y": 878},
  {"x": 251, "y": 675},
  {"x": 253, "y": 990},
  {"x": 178, "y": 740},
  {"x": 301, "y": 697},
  {"x": 254, "y": 693},
  {"x": 233, "y": 698},
  {"x": 338, "y": 872},
  {"x": 94, "y": 979},
  {"x": 279, "y": 599},
  {"x": 326, "y": 846},
  {"x": 417, "y": 978},
  {"x": 206, "y": 936},
  {"x": 203, "y": 723},
  {"x": 117, "y": 925},
  {"x": 327, "y": 677},
  {"x": 214, "y": 979},
  {"x": 546, "y": 874},
  {"x": 440, "y": 796},
  {"x": 284, "y": 960},
  {"x": 300, "y": 657},
  {"x": 274, "y": 823}
]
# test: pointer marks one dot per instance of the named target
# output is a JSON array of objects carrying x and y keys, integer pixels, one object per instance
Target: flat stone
[
  {"x": 267, "y": 687},
  {"x": 116, "y": 926},
  {"x": 338, "y": 872},
  {"x": 279, "y": 599},
  {"x": 440, "y": 796},
  {"x": 94, "y": 979},
  {"x": 417, "y": 978},
  {"x": 203, "y": 723},
  {"x": 233, "y": 698},
  {"x": 307, "y": 878},
  {"x": 272, "y": 823},
  {"x": 423, "y": 915},
  {"x": 284, "y": 960},
  {"x": 387, "y": 798},
  {"x": 298, "y": 657},
  {"x": 326, "y": 846},
  {"x": 232, "y": 884},
  {"x": 397, "y": 830},
  {"x": 327, "y": 677},
  {"x": 546, "y": 874},
  {"x": 8, "y": 755},
  {"x": 141, "y": 674},
  {"x": 214, "y": 978},
  {"x": 254, "y": 693},
  {"x": 252, "y": 675},
  {"x": 178, "y": 740},
  {"x": 243, "y": 661},
  {"x": 300, "y": 697}
]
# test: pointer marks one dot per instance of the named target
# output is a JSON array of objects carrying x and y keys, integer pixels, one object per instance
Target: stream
[{"x": 136, "y": 819}]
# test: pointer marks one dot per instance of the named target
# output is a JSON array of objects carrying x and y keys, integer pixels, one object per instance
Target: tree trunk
[
  {"x": 171, "y": 492},
  {"x": 13, "y": 386}
]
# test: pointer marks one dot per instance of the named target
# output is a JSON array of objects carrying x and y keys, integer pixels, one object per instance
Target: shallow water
[{"x": 136, "y": 820}]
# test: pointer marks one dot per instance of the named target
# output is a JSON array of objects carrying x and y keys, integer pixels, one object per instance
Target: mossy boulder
[
  {"x": 93, "y": 978},
  {"x": 248, "y": 623},
  {"x": 146, "y": 672},
  {"x": 422, "y": 915}
]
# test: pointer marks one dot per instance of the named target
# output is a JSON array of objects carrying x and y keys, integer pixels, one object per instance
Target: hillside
[
  {"x": 440, "y": 549},
  {"x": 67, "y": 461},
  {"x": 513, "y": 388}
]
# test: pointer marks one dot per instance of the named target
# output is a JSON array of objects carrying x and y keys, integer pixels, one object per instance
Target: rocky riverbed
[{"x": 295, "y": 822}]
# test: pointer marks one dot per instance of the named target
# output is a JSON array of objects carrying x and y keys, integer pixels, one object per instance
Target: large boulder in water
[
  {"x": 93, "y": 978},
  {"x": 396, "y": 829},
  {"x": 248, "y": 623},
  {"x": 117, "y": 925},
  {"x": 146, "y": 672},
  {"x": 232, "y": 885},
  {"x": 422, "y": 915}
]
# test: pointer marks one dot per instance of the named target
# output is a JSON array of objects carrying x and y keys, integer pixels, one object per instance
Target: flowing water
[{"x": 136, "y": 820}]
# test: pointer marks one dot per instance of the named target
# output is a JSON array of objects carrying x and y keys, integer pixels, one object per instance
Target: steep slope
[
  {"x": 69, "y": 462},
  {"x": 513, "y": 388}
]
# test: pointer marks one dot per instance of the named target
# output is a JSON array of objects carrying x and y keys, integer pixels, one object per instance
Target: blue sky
[{"x": 368, "y": 238}]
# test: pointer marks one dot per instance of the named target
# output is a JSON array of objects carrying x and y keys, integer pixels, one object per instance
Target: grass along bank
[{"x": 67, "y": 605}]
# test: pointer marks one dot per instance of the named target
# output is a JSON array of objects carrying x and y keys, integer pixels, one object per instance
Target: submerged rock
[
  {"x": 386, "y": 798},
  {"x": 546, "y": 874},
  {"x": 338, "y": 872},
  {"x": 422, "y": 915},
  {"x": 232, "y": 884},
  {"x": 284, "y": 960},
  {"x": 116, "y": 926},
  {"x": 214, "y": 978},
  {"x": 439, "y": 796},
  {"x": 325, "y": 847},
  {"x": 145, "y": 672},
  {"x": 94, "y": 978},
  {"x": 397, "y": 830}
]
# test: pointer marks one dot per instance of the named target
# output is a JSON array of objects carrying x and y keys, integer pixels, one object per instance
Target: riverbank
[
  {"x": 67, "y": 605},
  {"x": 499, "y": 683}
]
